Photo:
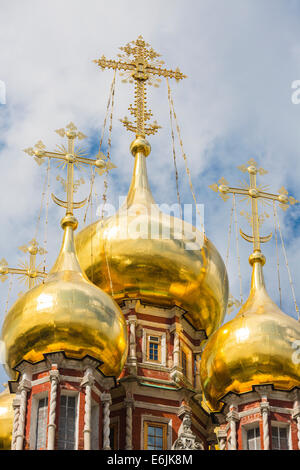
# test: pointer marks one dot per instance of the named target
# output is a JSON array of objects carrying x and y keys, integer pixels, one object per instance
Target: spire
[
  {"x": 255, "y": 194},
  {"x": 139, "y": 64},
  {"x": 69, "y": 156},
  {"x": 28, "y": 270},
  {"x": 143, "y": 68}
]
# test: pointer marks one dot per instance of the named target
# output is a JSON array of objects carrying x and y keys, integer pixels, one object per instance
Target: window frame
[
  {"x": 189, "y": 373},
  {"x": 95, "y": 420},
  {"x": 247, "y": 427},
  {"x": 161, "y": 335},
  {"x": 33, "y": 417},
  {"x": 75, "y": 394},
  {"x": 285, "y": 425},
  {"x": 153, "y": 341},
  {"x": 114, "y": 426},
  {"x": 156, "y": 424},
  {"x": 37, "y": 423}
]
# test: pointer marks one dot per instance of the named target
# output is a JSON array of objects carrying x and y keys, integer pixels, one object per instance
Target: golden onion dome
[
  {"x": 257, "y": 347},
  {"x": 66, "y": 313},
  {"x": 140, "y": 253},
  {"x": 6, "y": 418}
]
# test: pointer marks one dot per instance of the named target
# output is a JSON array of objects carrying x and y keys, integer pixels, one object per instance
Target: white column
[
  {"x": 106, "y": 400},
  {"x": 296, "y": 416},
  {"x": 176, "y": 350},
  {"x": 16, "y": 408},
  {"x": 264, "y": 406},
  {"x": 88, "y": 382},
  {"x": 132, "y": 359},
  {"x": 23, "y": 389},
  {"x": 54, "y": 380},
  {"x": 197, "y": 379},
  {"x": 222, "y": 437},
  {"x": 129, "y": 402},
  {"x": 232, "y": 418},
  {"x": 132, "y": 338}
]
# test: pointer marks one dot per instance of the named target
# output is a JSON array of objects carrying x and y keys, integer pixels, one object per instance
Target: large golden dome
[
  {"x": 141, "y": 251},
  {"x": 6, "y": 418},
  {"x": 255, "y": 348},
  {"x": 66, "y": 313}
]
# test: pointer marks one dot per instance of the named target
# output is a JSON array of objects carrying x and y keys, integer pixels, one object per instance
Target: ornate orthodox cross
[
  {"x": 29, "y": 271},
  {"x": 69, "y": 156},
  {"x": 254, "y": 193},
  {"x": 142, "y": 69}
]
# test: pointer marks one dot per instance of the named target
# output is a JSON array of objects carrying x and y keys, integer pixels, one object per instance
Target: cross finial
[
  {"x": 254, "y": 193},
  {"x": 141, "y": 66},
  {"x": 29, "y": 271},
  {"x": 69, "y": 156}
]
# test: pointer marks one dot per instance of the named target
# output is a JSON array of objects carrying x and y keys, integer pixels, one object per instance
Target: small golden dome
[
  {"x": 66, "y": 313},
  {"x": 149, "y": 259},
  {"x": 257, "y": 347},
  {"x": 6, "y": 419}
]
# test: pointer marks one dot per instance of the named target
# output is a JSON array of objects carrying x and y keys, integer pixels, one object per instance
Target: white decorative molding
[
  {"x": 222, "y": 438},
  {"x": 16, "y": 408},
  {"x": 129, "y": 404},
  {"x": 23, "y": 389},
  {"x": 132, "y": 357},
  {"x": 232, "y": 418},
  {"x": 265, "y": 408},
  {"x": 54, "y": 379},
  {"x": 87, "y": 382},
  {"x": 296, "y": 416},
  {"x": 186, "y": 439},
  {"x": 106, "y": 401}
]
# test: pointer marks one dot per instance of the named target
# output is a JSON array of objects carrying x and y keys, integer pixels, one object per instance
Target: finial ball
[
  {"x": 140, "y": 145},
  {"x": 71, "y": 134},
  {"x": 252, "y": 170},
  {"x": 70, "y": 158},
  {"x": 32, "y": 249},
  {"x": 69, "y": 221},
  {"x": 257, "y": 256}
]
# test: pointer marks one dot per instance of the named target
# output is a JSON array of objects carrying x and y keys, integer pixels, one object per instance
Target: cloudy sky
[{"x": 241, "y": 58}]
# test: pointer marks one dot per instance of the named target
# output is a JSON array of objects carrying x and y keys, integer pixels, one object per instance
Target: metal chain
[
  {"x": 277, "y": 255},
  {"x": 104, "y": 196},
  {"x": 174, "y": 151},
  {"x": 228, "y": 246},
  {"x": 287, "y": 265},
  {"x": 8, "y": 294},
  {"x": 237, "y": 248},
  {"x": 46, "y": 215},
  {"x": 93, "y": 174},
  {"x": 41, "y": 207},
  {"x": 184, "y": 156}
]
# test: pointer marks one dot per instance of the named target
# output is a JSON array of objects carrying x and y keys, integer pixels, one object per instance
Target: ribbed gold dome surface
[
  {"x": 140, "y": 248},
  {"x": 6, "y": 419},
  {"x": 66, "y": 313},
  {"x": 254, "y": 348}
]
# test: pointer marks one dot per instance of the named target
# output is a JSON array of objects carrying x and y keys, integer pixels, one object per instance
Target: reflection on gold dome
[
  {"x": 149, "y": 259},
  {"x": 255, "y": 348},
  {"x": 66, "y": 313},
  {"x": 6, "y": 419}
]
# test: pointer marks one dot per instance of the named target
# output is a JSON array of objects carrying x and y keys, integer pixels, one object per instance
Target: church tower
[{"x": 250, "y": 370}]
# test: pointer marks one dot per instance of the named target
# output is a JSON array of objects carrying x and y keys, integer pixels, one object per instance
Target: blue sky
[{"x": 240, "y": 56}]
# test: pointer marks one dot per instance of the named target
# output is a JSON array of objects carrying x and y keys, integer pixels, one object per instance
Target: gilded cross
[
  {"x": 69, "y": 156},
  {"x": 29, "y": 271},
  {"x": 254, "y": 193},
  {"x": 143, "y": 68}
]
